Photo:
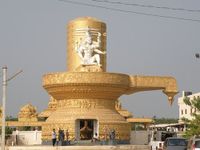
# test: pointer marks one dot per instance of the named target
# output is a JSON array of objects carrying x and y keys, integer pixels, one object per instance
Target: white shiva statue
[{"x": 88, "y": 50}]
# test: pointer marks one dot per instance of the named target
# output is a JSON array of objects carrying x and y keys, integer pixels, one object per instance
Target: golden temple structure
[
  {"x": 86, "y": 93},
  {"x": 85, "y": 99}
]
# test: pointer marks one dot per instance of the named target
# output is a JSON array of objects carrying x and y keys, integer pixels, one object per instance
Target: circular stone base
[{"x": 104, "y": 119}]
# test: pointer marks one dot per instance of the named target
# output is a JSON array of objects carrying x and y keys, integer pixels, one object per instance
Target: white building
[{"x": 186, "y": 111}]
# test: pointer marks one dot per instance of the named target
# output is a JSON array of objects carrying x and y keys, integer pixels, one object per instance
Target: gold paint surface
[
  {"x": 93, "y": 85},
  {"x": 89, "y": 92},
  {"x": 52, "y": 106},
  {"x": 27, "y": 113},
  {"x": 73, "y": 60},
  {"x": 148, "y": 83},
  {"x": 102, "y": 110},
  {"x": 140, "y": 120}
]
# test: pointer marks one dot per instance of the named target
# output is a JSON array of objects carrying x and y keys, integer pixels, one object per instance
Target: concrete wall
[
  {"x": 27, "y": 137},
  {"x": 139, "y": 138}
]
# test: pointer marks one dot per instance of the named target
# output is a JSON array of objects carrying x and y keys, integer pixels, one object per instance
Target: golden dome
[
  {"x": 28, "y": 108},
  {"x": 27, "y": 112}
]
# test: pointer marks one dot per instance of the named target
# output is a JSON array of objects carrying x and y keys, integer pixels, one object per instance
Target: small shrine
[{"x": 28, "y": 113}]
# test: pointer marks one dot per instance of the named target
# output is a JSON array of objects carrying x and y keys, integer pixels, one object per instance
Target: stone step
[{"x": 117, "y": 147}]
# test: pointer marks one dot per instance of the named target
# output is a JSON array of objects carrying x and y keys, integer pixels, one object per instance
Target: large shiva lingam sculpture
[{"x": 86, "y": 93}]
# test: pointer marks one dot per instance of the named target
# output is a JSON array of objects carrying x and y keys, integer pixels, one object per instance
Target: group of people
[
  {"x": 109, "y": 136},
  {"x": 63, "y": 137}
]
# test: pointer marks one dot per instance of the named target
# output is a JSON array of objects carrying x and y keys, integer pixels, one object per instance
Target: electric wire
[
  {"x": 146, "y": 6},
  {"x": 129, "y": 11}
]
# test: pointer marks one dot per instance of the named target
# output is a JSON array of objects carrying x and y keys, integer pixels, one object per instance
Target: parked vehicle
[
  {"x": 158, "y": 138},
  {"x": 193, "y": 144},
  {"x": 175, "y": 143}
]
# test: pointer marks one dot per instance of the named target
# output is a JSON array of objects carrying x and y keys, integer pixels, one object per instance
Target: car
[
  {"x": 175, "y": 143},
  {"x": 194, "y": 144}
]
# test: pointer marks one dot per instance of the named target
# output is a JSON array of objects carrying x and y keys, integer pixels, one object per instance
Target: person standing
[
  {"x": 62, "y": 137},
  {"x": 105, "y": 135},
  {"x": 67, "y": 136},
  {"x": 59, "y": 142},
  {"x": 112, "y": 137},
  {"x": 53, "y": 137}
]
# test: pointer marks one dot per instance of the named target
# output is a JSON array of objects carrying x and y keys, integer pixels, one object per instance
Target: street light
[
  {"x": 4, "y": 94},
  {"x": 197, "y": 55}
]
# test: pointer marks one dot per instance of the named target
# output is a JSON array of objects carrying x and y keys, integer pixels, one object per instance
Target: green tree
[
  {"x": 8, "y": 130},
  {"x": 11, "y": 118},
  {"x": 165, "y": 120},
  {"x": 194, "y": 124}
]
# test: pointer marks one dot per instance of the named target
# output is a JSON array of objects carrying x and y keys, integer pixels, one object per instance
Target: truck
[{"x": 158, "y": 137}]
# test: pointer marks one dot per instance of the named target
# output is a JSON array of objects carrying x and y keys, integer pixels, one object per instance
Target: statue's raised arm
[
  {"x": 99, "y": 39},
  {"x": 79, "y": 49}
]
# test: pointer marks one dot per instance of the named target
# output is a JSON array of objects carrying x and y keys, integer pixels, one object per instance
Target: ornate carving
[
  {"x": 122, "y": 130},
  {"x": 85, "y": 78},
  {"x": 48, "y": 127},
  {"x": 86, "y": 103},
  {"x": 27, "y": 113},
  {"x": 86, "y": 48},
  {"x": 86, "y": 85},
  {"x": 52, "y": 105},
  {"x": 78, "y": 30},
  {"x": 118, "y": 105},
  {"x": 125, "y": 113}
]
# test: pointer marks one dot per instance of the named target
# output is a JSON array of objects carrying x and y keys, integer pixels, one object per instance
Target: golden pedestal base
[
  {"x": 86, "y": 96},
  {"x": 96, "y": 110}
]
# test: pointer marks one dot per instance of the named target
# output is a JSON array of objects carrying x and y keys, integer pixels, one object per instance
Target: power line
[
  {"x": 147, "y": 6},
  {"x": 129, "y": 11}
]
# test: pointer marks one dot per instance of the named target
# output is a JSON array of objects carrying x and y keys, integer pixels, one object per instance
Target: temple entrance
[{"x": 86, "y": 128}]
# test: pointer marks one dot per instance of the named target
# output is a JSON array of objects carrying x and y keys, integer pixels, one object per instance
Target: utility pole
[
  {"x": 4, "y": 95},
  {"x": 3, "y": 107}
]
